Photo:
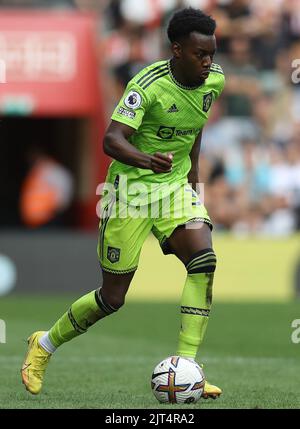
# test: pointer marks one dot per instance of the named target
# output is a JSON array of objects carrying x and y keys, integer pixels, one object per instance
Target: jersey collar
[{"x": 189, "y": 88}]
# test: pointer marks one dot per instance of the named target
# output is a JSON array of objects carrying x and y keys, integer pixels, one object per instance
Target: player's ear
[{"x": 176, "y": 49}]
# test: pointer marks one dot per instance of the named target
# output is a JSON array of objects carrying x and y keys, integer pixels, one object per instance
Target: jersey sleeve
[
  {"x": 132, "y": 106},
  {"x": 219, "y": 80},
  {"x": 220, "y": 85}
]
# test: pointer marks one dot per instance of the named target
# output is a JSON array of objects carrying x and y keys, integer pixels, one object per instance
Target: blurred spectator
[
  {"x": 47, "y": 190},
  {"x": 242, "y": 84},
  {"x": 290, "y": 22},
  {"x": 114, "y": 13}
]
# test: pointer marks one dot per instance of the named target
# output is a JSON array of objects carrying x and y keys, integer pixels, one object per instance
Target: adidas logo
[{"x": 173, "y": 109}]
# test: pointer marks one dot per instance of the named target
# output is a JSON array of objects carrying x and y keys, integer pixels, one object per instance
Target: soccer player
[{"x": 154, "y": 138}]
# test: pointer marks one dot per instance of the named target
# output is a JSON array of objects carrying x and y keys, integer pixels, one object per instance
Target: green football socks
[
  {"x": 196, "y": 302},
  {"x": 86, "y": 311}
]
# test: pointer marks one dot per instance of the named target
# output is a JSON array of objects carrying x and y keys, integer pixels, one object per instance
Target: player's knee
[
  {"x": 116, "y": 302},
  {"x": 204, "y": 261},
  {"x": 107, "y": 303}
]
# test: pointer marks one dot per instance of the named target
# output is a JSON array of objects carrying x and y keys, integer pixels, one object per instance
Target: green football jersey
[{"x": 167, "y": 117}]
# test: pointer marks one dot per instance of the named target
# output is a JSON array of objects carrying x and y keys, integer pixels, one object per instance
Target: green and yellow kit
[{"x": 167, "y": 117}]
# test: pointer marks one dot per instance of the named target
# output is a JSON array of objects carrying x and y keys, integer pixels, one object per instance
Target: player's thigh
[
  {"x": 121, "y": 237},
  {"x": 187, "y": 228}
]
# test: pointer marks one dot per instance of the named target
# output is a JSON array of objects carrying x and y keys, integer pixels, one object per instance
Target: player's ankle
[{"x": 46, "y": 343}]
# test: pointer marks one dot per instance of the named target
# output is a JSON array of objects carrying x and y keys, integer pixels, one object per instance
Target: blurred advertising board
[{"x": 50, "y": 63}]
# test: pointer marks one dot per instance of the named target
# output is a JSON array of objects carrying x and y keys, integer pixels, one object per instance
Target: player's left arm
[{"x": 193, "y": 176}]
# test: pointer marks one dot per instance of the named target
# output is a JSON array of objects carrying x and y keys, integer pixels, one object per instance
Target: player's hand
[{"x": 161, "y": 162}]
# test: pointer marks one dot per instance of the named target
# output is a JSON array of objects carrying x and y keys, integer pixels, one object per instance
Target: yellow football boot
[
  {"x": 211, "y": 391},
  {"x": 35, "y": 364}
]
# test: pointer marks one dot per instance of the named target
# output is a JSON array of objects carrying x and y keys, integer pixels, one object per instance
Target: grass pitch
[{"x": 247, "y": 351}]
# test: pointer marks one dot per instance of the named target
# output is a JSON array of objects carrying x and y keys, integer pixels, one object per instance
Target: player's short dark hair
[{"x": 187, "y": 20}]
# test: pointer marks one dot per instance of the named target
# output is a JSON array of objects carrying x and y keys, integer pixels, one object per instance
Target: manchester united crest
[
  {"x": 113, "y": 254},
  {"x": 207, "y": 100}
]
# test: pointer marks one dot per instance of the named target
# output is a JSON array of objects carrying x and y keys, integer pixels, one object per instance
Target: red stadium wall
[{"x": 52, "y": 70}]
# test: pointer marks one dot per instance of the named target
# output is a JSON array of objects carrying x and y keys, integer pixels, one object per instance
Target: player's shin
[
  {"x": 196, "y": 302},
  {"x": 86, "y": 311}
]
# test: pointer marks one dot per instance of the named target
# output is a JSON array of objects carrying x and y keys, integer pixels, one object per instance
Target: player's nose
[{"x": 207, "y": 61}]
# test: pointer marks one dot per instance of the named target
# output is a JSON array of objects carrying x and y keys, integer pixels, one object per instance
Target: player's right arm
[
  {"x": 126, "y": 119},
  {"x": 117, "y": 146}
]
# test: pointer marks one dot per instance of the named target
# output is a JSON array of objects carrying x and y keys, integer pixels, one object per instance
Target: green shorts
[{"x": 124, "y": 229}]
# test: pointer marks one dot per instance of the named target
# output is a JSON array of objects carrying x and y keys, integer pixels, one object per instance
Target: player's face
[{"x": 195, "y": 54}]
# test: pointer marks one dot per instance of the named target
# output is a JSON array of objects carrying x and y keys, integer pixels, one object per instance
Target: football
[{"x": 177, "y": 380}]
